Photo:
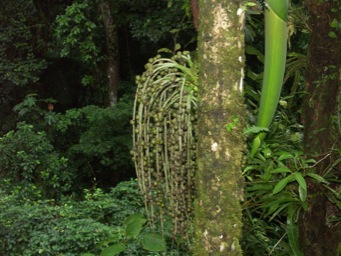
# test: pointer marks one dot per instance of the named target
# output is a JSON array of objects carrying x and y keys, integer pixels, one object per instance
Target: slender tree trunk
[
  {"x": 111, "y": 32},
  {"x": 221, "y": 118},
  {"x": 317, "y": 235},
  {"x": 195, "y": 13}
]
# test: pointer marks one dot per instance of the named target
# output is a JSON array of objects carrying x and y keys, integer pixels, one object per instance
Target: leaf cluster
[{"x": 66, "y": 227}]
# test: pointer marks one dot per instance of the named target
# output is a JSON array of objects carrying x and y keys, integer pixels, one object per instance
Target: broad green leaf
[
  {"x": 153, "y": 243},
  {"x": 134, "y": 228},
  {"x": 133, "y": 218},
  {"x": 113, "y": 250},
  {"x": 282, "y": 184},
  {"x": 134, "y": 224},
  {"x": 317, "y": 177}
]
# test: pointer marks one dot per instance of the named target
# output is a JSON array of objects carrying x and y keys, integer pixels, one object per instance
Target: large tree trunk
[
  {"x": 317, "y": 236},
  {"x": 221, "y": 118},
  {"x": 111, "y": 32}
]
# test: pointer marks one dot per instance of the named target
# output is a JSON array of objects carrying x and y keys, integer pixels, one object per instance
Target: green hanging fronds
[
  {"x": 276, "y": 12},
  {"x": 164, "y": 147}
]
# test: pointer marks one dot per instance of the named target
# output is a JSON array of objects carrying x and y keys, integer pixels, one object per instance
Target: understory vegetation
[{"x": 81, "y": 176}]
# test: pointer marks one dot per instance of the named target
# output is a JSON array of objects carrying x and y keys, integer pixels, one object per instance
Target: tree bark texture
[
  {"x": 221, "y": 119},
  {"x": 317, "y": 235},
  {"x": 111, "y": 32}
]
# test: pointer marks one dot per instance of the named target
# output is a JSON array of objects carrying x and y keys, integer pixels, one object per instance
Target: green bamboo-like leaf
[
  {"x": 284, "y": 155},
  {"x": 317, "y": 177},
  {"x": 302, "y": 193},
  {"x": 282, "y": 184},
  {"x": 292, "y": 232},
  {"x": 301, "y": 181},
  {"x": 113, "y": 250}
]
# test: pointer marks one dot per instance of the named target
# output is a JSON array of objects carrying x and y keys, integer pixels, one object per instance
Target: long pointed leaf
[{"x": 282, "y": 184}]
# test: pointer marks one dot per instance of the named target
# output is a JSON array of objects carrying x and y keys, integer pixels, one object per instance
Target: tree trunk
[
  {"x": 111, "y": 32},
  {"x": 221, "y": 118},
  {"x": 317, "y": 236}
]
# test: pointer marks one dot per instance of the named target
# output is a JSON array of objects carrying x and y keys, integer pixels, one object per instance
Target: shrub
[
  {"x": 29, "y": 163},
  {"x": 68, "y": 227}
]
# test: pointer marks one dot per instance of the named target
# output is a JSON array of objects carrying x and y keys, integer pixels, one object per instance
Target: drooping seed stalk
[
  {"x": 164, "y": 133},
  {"x": 275, "y": 15}
]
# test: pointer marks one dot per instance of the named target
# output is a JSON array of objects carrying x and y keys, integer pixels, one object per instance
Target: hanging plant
[{"x": 164, "y": 139}]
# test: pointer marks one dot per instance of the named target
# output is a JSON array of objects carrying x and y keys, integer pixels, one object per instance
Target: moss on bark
[{"x": 220, "y": 152}]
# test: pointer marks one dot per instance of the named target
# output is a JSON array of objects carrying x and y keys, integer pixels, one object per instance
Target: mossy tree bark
[
  {"x": 317, "y": 235},
  {"x": 221, "y": 118}
]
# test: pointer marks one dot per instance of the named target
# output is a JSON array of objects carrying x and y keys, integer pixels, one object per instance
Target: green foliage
[
  {"x": 28, "y": 159},
  {"x": 135, "y": 234},
  {"x": 78, "y": 34},
  {"x": 156, "y": 26},
  {"x": 277, "y": 189},
  {"x": 21, "y": 43},
  {"x": 68, "y": 227},
  {"x": 93, "y": 143},
  {"x": 100, "y": 140}
]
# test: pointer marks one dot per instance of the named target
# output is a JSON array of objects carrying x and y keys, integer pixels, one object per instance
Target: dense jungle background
[{"x": 69, "y": 71}]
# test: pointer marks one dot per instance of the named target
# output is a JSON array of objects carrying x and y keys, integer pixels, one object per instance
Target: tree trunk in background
[
  {"x": 317, "y": 236},
  {"x": 219, "y": 182},
  {"x": 195, "y": 13},
  {"x": 111, "y": 32}
]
